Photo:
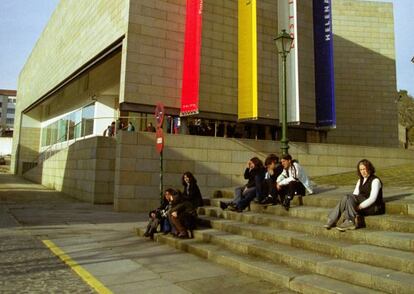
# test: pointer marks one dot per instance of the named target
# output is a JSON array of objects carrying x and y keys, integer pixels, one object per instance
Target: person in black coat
[
  {"x": 254, "y": 174},
  {"x": 191, "y": 190},
  {"x": 273, "y": 170},
  {"x": 159, "y": 216},
  {"x": 181, "y": 214}
]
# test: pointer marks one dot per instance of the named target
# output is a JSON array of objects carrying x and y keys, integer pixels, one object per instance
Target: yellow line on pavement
[{"x": 83, "y": 273}]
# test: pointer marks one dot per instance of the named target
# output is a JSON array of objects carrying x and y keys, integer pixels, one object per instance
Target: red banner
[{"x": 191, "y": 63}]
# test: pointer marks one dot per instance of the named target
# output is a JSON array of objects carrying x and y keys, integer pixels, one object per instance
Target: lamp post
[{"x": 283, "y": 44}]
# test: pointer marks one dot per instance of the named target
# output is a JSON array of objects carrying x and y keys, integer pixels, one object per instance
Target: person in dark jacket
[
  {"x": 158, "y": 217},
  {"x": 273, "y": 170},
  {"x": 180, "y": 213},
  {"x": 191, "y": 190},
  {"x": 254, "y": 174},
  {"x": 365, "y": 200}
]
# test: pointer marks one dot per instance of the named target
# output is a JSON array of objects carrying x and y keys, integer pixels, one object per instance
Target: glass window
[
  {"x": 62, "y": 130},
  {"x": 78, "y": 124},
  {"x": 53, "y": 133},
  {"x": 88, "y": 113},
  {"x": 75, "y": 125},
  {"x": 10, "y": 121},
  {"x": 10, "y": 110},
  {"x": 71, "y": 126}
]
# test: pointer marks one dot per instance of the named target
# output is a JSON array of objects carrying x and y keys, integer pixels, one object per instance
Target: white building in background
[{"x": 7, "y": 110}]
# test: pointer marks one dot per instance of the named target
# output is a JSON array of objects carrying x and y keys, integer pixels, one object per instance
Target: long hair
[
  {"x": 174, "y": 193},
  {"x": 368, "y": 165},
  {"x": 190, "y": 176},
  {"x": 257, "y": 162}
]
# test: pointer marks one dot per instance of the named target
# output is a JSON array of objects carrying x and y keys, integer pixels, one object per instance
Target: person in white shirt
[
  {"x": 292, "y": 181},
  {"x": 365, "y": 200}
]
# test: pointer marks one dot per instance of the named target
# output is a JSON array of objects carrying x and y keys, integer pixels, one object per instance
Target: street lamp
[{"x": 284, "y": 44}]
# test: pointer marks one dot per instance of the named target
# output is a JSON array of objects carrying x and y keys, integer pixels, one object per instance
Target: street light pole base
[{"x": 284, "y": 146}]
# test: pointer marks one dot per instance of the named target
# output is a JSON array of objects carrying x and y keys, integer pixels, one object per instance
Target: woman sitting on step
[
  {"x": 365, "y": 200},
  {"x": 254, "y": 174},
  {"x": 191, "y": 190}
]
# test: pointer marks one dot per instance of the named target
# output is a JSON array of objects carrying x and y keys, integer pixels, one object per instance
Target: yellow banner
[{"x": 247, "y": 60}]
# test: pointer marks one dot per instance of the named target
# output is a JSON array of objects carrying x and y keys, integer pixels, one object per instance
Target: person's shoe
[
  {"x": 346, "y": 225},
  {"x": 268, "y": 200},
  {"x": 329, "y": 224},
  {"x": 232, "y": 208},
  {"x": 223, "y": 205},
  {"x": 286, "y": 203},
  {"x": 146, "y": 234}
]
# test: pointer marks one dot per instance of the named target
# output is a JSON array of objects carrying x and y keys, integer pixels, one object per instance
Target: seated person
[
  {"x": 159, "y": 216},
  {"x": 191, "y": 190},
  {"x": 292, "y": 181},
  {"x": 273, "y": 170},
  {"x": 181, "y": 214},
  {"x": 254, "y": 173},
  {"x": 365, "y": 200}
]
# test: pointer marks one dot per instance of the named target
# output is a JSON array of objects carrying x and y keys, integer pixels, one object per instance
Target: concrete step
[
  {"x": 298, "y": 281},
  {"x": 360, "y": 274},
  {"x": 393, "y": 240},
  {"x": 398, "y": 201},
  {"x": 396, "y": 223},
  {"x": 363, "y": 253}
]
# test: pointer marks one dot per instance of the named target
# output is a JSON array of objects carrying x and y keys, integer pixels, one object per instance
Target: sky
[{"x": 22, "y": 22}]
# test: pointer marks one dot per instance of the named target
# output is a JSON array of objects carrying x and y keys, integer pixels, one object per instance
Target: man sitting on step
[{"x": 292, "y": 181}]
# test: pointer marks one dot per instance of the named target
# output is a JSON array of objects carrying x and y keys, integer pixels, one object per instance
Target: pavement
[{"x": 51, "y": 243}]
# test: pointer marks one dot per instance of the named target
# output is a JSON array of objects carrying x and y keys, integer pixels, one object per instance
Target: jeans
[{"x": 346, "y": 206}]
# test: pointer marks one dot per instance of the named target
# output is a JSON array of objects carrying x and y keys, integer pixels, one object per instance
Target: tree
[
  {"x": 406, "y": 113},
  {"x": 405, "y": 109}
]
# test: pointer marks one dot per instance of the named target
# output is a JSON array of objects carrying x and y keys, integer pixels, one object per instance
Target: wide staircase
[{"x": 293, "y": 250}]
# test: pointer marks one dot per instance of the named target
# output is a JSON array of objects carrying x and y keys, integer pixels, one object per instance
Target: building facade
[
  {"x": 115, "y": 59},
  {"x": 7, "y": 111}
]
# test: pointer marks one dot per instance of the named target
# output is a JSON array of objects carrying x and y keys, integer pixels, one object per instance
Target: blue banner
[{"x": 324, "y": 66}]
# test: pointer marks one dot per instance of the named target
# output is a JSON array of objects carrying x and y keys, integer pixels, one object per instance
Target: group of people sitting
[
  {"x": 177, "y": 213},
  {"x": 274, "y": 182},
  {"x": 270, "y": 184},
  {"x": 279, "y": 182}
]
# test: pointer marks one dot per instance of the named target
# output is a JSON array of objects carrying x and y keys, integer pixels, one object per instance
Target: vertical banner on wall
[
  {"x": 324, "y": 67},
  {"x": 192, "y": 55},
  {"x": 247, "y": 60},
  {"x": 287, "y": 20}
]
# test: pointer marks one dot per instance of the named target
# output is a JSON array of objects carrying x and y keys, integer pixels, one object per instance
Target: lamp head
[{"x": 283, "y": 42}]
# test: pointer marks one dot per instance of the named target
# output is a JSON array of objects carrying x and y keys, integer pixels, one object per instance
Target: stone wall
[
  {"x": 84, "y": 170},
  {"x": 76, "y": 33},
  {"x": 220, "y": 162},
  {"x": 365, "y": 74}
]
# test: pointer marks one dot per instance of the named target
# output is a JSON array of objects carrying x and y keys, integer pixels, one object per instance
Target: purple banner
[{"x": 324, "y": 66}]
